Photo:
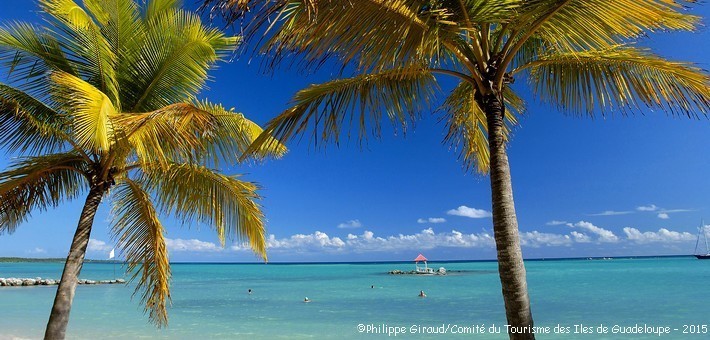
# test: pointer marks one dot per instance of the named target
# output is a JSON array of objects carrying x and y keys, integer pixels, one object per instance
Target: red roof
[{"x": 420, "y": 258}]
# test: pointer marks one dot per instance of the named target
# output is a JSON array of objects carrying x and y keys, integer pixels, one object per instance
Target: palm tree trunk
[
  {"x": 505, "y": 226},
  {"x": 59, "y": 318}
]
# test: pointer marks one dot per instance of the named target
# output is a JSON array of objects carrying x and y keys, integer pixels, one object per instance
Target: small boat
[{"x": 702, "y": 231}]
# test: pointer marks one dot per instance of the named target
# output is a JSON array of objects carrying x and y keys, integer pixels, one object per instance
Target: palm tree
[
  {"x": 103, "y": 102},
  {"x": 578, "y": 55}
]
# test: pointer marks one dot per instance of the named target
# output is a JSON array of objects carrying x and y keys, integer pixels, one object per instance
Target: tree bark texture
[
  {"x": 59, "y": 318},
  {"x": 505, "y": 226}
]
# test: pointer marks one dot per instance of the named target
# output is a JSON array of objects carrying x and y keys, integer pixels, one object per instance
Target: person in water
[
  {"x": 421, "y": 293},
  {"x": 306, "y": 299},
  {"x": 249, "y": 291}
]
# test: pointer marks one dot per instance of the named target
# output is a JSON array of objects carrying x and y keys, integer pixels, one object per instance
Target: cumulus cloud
[
  {"x": 37, "y": 250},
  {"x": 556, "y": 222},
  {"x": 603, "y": 234},
  {"x": 537, "y": 239},
  {"x": 611, "y": 213},
  {"x": 662, "y": 235},
  {"x": 432, "y": 220},
  {"x": 192, "y": 245},
  {"x": 469, "y": 212},
  {"x": 650, "y": 207},
  {"x": 663, "y": 216},
  {"x": 352, "y": 224},
  {"x": 98, "y": 245},
  {"x": 580, "y": 237}
]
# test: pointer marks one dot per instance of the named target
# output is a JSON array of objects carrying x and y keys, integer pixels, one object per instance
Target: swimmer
[
  {"x": 249, "y": 291},
  {"x": 421, "y": 293},
  {"x": 306, "y": 300}
]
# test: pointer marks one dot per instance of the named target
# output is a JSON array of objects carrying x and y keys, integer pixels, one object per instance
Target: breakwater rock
[{"x": 38, "y": 281}]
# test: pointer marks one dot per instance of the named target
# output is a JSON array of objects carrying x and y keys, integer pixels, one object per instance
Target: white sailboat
[{"x": 706, "y": 254}]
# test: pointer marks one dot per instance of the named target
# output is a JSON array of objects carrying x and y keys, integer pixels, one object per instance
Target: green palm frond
[
  {"x": 467, "y": 128},
  {"x": 37, "y": 184},
  {"x": 196, "y": 193},
  {"x": 141, "y": 237},
  {"x": 28, "y": 53},
  {"x": 620, "y": 78},
  {"x": 89, "y": 110},
  {"x": 574, "y": 24},
  {"x": 172, "y": 64},
  {"x": 360, "y": 101},
  {"x": 87, "y": 46},
  {"x": 28, "y": 125}
]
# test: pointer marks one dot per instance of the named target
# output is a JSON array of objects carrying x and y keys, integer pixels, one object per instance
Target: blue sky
[{"x": 583, "y": 187}]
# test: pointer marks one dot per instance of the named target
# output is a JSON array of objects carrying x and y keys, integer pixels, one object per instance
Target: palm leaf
[
  {"x": 467, "y": 127},
  {"x": 86, "y": 45},
  {"x": 141, "y": 237},
  {"x": 38, "y": 183},
  {"x": 196, "y": 193},
  {"x": 172, "y": 64},
  {"x": 89, "y": 110},
  {"x": 574, "y": 24},
  {"x": 28, "y": 125},
  {"x": 362, "y": 100},
  {"x": 620, "y": 78}
]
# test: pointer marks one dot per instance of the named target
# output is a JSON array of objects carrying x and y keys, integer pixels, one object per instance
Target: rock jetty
[{"x": 38, "y": 281}]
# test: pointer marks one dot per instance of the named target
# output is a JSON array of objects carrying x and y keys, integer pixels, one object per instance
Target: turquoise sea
[{"x": 630, "y": 297}]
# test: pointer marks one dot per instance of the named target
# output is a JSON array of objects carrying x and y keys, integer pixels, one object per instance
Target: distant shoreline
[{"x": 61, "y": 260}]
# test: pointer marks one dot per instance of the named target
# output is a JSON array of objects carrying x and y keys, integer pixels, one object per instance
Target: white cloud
[
  {"x": 98, "y": 245},
  {"x": 195, "y": 245},
  {"x": 556, "y": 222},
  {"x": 663, "y": 216},
  {"x": 580, "y": 237},
  {"x": 603, "y": 234},
  {"x": 352, "y": 224},
  {"x": 668, "y": 211},
  {"x": 37, "y": 250},
  {"x": 650, "y": 207},
  {"x": 432, "y": 220},
  {"x": 662, "y": 235},
  {"x": 537, "y": 239},
  {"x": 611, "y": 213},
  {"x": 469, "y": 212}
]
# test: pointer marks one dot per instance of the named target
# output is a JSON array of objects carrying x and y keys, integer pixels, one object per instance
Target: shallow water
[{"x": 211, "y": 300}]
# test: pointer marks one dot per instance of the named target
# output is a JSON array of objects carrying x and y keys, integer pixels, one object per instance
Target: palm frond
[
  {"x": 28, "y": 125},
  {"x": 173, "y": 61},
  {"x": 141, "y": 237},
  {"x": 28, "y": 53},
  {"x": 225, "y": 203},
  {"x": 575, "y": 24},
  {"x": 89, "y": 110},
  {"x": 467, "y": 128},
  {"x": 38, "y": 183},
  {"x": 362, "y": 100},
  {"x": 86, "y": 45},
  {"x": 620, "y": 78}
]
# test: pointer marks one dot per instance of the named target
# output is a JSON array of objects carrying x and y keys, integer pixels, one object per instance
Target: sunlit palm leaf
[
  {"x": 467, "y": 129},
  {"x": 28, "y": 53},
  {"x": 620, "y": 78},
  {"x": 360, "y": 102},
  {"x": 36, "y": 184},
  {"x": 196, "y": 193},
  {"x": 27, "y": 125},
  {"x": 89, "y": 110},
  {"x": 141, "y": 237},
  {"x": 91, "y": 51},
  {"x": 572, "y": 24},
  {"x": 173, "y": 61}
]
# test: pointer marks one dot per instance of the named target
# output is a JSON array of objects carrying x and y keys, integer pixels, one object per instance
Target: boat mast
[{"x": 705, "y": 236}]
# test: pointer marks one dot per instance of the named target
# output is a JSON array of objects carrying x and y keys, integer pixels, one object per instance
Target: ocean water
[{"x": 210, "y": 301}]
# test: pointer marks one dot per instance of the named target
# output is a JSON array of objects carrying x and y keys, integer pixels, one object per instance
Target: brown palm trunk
[
  {"x": 505, "y": 226},
  {"x": 59, "y": 318}
]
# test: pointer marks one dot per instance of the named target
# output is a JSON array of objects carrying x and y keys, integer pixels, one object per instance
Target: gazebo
[{"x": 425, "y": 269}]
